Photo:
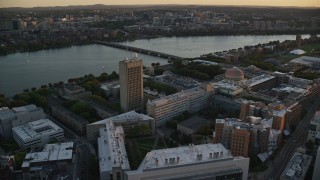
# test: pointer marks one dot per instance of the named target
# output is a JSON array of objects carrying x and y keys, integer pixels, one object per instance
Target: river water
[
  {"x": 196, "y": 46},
  {"x": 26, "y": 70}
]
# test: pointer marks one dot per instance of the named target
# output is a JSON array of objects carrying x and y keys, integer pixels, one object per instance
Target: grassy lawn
[
  {"x": 310, "y": 47},
  {"x": 137, "y": 150},
  {"x": 161, "y": 144},
  {"x": 149, "y": 142},
  {"x": 287, "y": 57}
]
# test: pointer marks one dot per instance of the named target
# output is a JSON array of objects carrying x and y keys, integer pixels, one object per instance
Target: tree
[
  {"x": 113, "y": 75},
  {"x": 26, "y": 90},
  {"x": 18, "y": 159}
]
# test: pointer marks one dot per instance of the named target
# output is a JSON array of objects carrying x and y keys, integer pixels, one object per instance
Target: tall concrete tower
[{"x": 131, "y": 84}]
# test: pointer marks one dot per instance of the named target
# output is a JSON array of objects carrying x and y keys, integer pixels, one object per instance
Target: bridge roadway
[{"x": 140, "y": 50}]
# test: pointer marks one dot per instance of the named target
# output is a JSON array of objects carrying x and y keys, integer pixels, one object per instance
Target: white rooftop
[
  {"x": 297, "y": 166},
  {"x": 297, "y": 51},
  {"x": 280, "y": 113},
  {"x": 306, "y": 60},
  {"x": 51, "y": 152},
  {"x": 111, "y": 148},
  {"x": 173, "y": 97},
  {"x": 36, "y": 128},
  {"x": 25, "y": 109},
  {"x": 128, "y": 116},
  {"x": 232, "y": 85},
  {"x": 258, "y": 79},
  {"x": 184, "y": 155}
]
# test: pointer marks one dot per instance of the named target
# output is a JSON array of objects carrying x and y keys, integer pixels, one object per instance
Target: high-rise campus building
[{"x": 131, "y": 84}]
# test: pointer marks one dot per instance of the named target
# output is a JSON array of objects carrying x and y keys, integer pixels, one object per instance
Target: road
[
  {"x": 297, "y": 139},
  {"x": 84, "y": 162}
]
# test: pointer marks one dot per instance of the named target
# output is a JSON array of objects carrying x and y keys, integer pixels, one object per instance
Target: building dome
[
  {"x": 234, "y": 74},
  {"x": 297, "y": 52}
]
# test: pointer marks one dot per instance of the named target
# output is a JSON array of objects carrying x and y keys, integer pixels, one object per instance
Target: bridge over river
[{"x": 140, "y": 50}]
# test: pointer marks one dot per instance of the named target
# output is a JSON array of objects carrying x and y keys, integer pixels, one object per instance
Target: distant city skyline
[{"x": 43, "y": 3}]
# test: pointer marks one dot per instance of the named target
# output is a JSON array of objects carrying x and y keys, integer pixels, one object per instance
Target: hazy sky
[{"x": 34, "y": 3}]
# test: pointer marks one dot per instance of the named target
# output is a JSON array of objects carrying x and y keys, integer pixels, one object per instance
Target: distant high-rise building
[
  {"x": 11, "y": 24},
  {"x": 131, "y": 84},
  {"x": 298, "y": 40}
]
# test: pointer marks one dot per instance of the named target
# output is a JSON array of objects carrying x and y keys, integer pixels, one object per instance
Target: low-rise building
[
  {"x": 261, "y": 82},
  {"x": 129, "y": 121},
  {"x": 192, "y": 125},
  {"x": 75, "y": 92},
  {"x": 227, "y": 104},
  {"x": 39, "y": 165},
  {"x": 6, "y": 167},
  {"x": 229, "y": 88},
  {"x": 206, "y": 161},
  {"x": 102, "y": 110},
  {"x": 245, "y": 139},
  {"x": 111, "y": 89},
  {"x": 113, "y": 159},
  {"x": 192, "y": 100},
  {"x": 314, "y": 126},
  {"x": 297, "y": 167},
  {"x": 37, "y": 133},
  {"x": 18, "y": 116},
  {"x": 70, "y": 119}
]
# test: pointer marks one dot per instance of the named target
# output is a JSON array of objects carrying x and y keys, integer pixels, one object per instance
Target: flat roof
[
  {"x": 75, "y": 116},
  {"x": 232, "y": 85},
  {"x": 299, "y": 163},
  {"x": 280, "y": 113},
  {"x": 125, "y": 117},
  {"x": 194, "y": 122},
  {"x": 258, "y": 79},
  {"x": 25, "y": 109},
  {"x": 111, "y": 148},
  {"x": 184, "y": 155},
  {"x": 173, "y": 97},
  {"x": 289, "y": 88},
  {"x": 50, "y": 152},
  {"x": 73, "y": 87},
  {"x": 36, "y": 129},
  {"x": 306, "y": 60},
  {"x": 96, "y": 104}
]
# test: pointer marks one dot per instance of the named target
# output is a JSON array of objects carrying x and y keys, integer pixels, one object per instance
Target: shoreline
[{"x": 90, "y": 42}]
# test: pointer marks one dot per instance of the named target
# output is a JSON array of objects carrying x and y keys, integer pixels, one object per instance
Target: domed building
[{"x": 234, "y": 74}]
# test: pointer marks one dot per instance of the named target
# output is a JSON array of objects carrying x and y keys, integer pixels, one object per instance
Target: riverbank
[{"x": 48, "y": 45}]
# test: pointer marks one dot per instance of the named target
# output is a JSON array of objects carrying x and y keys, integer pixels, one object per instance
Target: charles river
[{"x": 26, "y": 70}]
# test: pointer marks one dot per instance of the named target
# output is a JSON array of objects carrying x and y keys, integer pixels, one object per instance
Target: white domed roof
[{"x": 297, "y": 51}]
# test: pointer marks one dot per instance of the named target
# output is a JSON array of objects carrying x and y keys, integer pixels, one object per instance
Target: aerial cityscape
[{"x": 162, "y": 90}]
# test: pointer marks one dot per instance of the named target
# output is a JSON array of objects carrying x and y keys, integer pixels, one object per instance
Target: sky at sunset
[{"x": 34, "y": 3}]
